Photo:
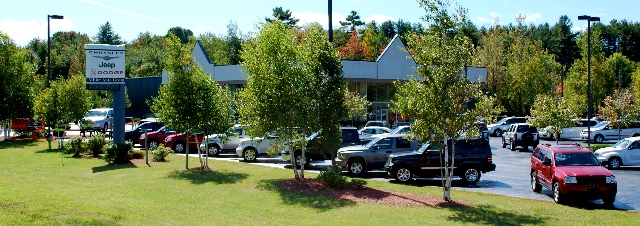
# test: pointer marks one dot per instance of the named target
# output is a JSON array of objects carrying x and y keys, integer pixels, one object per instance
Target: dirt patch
[{"x": 364, "y": 195}]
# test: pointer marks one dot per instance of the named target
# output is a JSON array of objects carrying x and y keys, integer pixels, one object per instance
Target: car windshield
[
  {"x": 576, "y": 159},
  {"x": 372, "y": 142},
  {"x": 96, "y": 113},
  {"x": 622, "y": 144},
  {"x": 601, "y": 124},
  {"x": 401, "y": 129},
  {"x": 502, "y": 120}
]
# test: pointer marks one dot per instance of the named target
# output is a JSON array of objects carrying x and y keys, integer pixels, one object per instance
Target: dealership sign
[{"x": 105, "y": 65}]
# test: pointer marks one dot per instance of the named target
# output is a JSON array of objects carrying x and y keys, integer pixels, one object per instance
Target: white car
[
  {"x": 367, "y": 132},
  {"x": 626, "y": 152},
  {"x": 249, "y": 149},
  {"x": 100, "y": 119},
  {"x": 603, "y": 131},
  {"x": 220, "y": 142},
  {"x": 498, "y": 128},
  {"x": 569, "y": 133},
  {"x": 397, "y": 130}
]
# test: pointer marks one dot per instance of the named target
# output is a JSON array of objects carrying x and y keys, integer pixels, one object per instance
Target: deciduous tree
[{"x": 552, "y": 113}]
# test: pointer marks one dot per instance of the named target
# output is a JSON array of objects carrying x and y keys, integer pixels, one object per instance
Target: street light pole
[
  {"x": 49, "y": 17},
  {"x": 588, "y": 19}
]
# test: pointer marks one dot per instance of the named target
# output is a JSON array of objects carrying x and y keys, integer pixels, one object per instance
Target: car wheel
[
  {"x": 213, "y": 150},
  {"x": 609, "y": 199},
  {"x": 299, "y": 160},
  {"x": 498, "y": 133},
  {"x": 249, "y": 154},
  {"x": 557, "y": 193},
  {"x": 535, "y": 185},
  {"x": 105, "y": 127},
  {"x": 504, "y": 145},
  {"x": 179, "y": 147},
  {"x": 614, "y": 163},
  {"x": 403, "y": 174},
  {"x": 471, "y": 176},
  {"x": 356, "y": 167},
  {"x": 598, "y": 139},
  {"x": 153, "y": 144}
]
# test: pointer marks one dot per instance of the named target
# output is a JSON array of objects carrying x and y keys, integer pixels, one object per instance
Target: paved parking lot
[{"x": 511, "y": 177}]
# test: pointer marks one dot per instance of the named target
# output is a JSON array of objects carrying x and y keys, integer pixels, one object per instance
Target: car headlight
[
  {"x": 570, "y": 180},
  {"x": 142, "y": 136},
  {"x": 168, "y": 139},
  {"x": 242, "y": 143},
  {"x": 611, "y": 179}
]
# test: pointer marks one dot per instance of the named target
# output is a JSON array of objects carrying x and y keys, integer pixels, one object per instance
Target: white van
[
  {"x": 569, "y": 133},
  {"x": 603, "y": 131}
]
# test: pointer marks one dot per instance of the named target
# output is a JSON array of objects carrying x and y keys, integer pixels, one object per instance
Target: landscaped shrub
[
  {"x": 117, "y": 153},
  {"x": 75, "y": 145},
  {"x": 333, "y": 177},
  {"x": 136, "y": 154},
  {"x": 97, "y": 144},
  {"x": 359, "y": 183},
  {"x": 160, "y": 153},
  {"x": 595, "y": 147}
]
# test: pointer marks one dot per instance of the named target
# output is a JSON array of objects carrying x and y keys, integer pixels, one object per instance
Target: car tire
[
  {"x": 213, "y": 150},
  {"x": 598, "y": 139},
  {"x": 250, "y": 154},
  {"x": 557, "y": 193},
  {"x": 497, "y": 132},
  {"x": 471, "y": 176},
  {"x": 105, "y": 127},
  {"x": 179, "y": 147},
  {"x": 403, "y": 174},
  {"x": 614, "y": 163},
  {"x": 504, "y": 145},
  {"x": 356, "y": 167},
  {"x": 535, "y": 185},
  {"x": 153, "y": 144},
  {"x": 609, "y": 199}
]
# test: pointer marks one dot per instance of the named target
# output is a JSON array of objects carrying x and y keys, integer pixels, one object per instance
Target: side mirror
[{"x": 375, "y": 147}]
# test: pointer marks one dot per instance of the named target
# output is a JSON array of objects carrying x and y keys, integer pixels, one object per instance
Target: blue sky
[{"x": 27, "y": 19}]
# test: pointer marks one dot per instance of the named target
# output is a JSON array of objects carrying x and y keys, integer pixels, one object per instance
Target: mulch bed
[{"x": 364, "y": 194}]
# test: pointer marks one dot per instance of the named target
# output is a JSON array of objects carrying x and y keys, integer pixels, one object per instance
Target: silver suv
[
  {"x": 360, "y": 158},
  {"x": 520, "y": 134},
  {"x": 498, "y": 128}
]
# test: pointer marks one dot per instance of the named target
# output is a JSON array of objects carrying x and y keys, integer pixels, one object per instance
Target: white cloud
[
  {"x": 379, "y": 19},
  {"x": 483, "y": 20},
  {"x": 577, "y": 29},
  {"x": 532, "y": 17},
  {"x": 321, "y": 18},
  {"x": 120, "y": 10},
  {"x": 23, "y": 31}
]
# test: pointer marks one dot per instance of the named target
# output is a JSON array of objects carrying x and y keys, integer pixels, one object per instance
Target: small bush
[
  {"x": 97, "y": 143},
  {"x": 160, "y": 153},
  {"x": 75, "y": 145},
  {"x": 595, "y": 147},
  {"x": 117, "y": 153},
  {"x": 136, "y": 154},
  {"x": 359, "y": 183},
  {"x": 333, "y": 177}
]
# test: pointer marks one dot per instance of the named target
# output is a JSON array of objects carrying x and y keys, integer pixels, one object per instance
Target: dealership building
[{"x": 371, "y": 79}]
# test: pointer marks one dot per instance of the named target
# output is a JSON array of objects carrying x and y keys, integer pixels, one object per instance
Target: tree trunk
[
  {"x": 303, "y": 160},
  {"x": 293, "y": 158},
  {"x": 447, "y": 178},
  {"x": 199, "y": 152}
]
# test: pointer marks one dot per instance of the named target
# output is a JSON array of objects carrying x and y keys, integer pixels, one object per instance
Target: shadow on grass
[
  {"x": 113, "y": 167},
  {"x": 208, "y": 176},
  {"x": 321, "y": 203},
  {"x": 490, "y": 215},
  {"x": 6, "y": 144}
]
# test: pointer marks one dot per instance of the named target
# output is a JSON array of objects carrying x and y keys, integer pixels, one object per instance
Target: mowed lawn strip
[{"x": 37, "y": 189}]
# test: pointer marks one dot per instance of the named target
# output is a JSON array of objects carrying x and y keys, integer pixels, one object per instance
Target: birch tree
[{"x": 438, "y": 100}]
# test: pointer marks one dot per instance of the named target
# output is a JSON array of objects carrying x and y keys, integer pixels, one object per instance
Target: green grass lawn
[{"x": 37, "y": 189}]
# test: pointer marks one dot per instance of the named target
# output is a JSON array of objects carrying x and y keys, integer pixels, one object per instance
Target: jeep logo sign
[{"x": 105, "y": 64}]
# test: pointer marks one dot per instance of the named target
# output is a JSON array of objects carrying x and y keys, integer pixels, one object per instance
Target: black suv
[
  {"x": 473, "y": 157},
  {"x": 316, "y": 151}
]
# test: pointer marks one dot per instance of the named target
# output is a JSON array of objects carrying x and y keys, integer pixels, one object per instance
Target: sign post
[{"x": 105, "y": 71}]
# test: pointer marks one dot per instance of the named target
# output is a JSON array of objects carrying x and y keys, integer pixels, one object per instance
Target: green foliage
[
  {"x": 17, "y": 81},
  {"x": 333, "y": 177},
  {"x": 75, "y": 145},
  {"x": 160, "y": 154},
  {"x": 117, "y": 153},
  {"x": 106, "y": 35},
  {"x": 183, "y": 34},
  {"x": 224, "y": 50},
  {"x": 136, "y": 154},
  {"x": 145, "y": 56},
  {"x": 620, "y": 109},
  {"x": 284, "y": 16},
  {"x": 97, "y": 143},
  {"x": 68, "y": 54},
  {"x": 67, "y": 100},
  {"x": 552, "y": 114},
  {"x": 595, "y": 147},
  {"x": 352, "y": 20},
  {"x": 191, "y": 100},
  {"x": 358, "y": 183}
]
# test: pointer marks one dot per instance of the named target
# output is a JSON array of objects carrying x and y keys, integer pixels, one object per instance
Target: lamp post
[
  {"x": 49, "y": 17},
  {"x": 588, "y": 19}
]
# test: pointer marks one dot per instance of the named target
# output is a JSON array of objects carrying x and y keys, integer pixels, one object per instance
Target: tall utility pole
[
  {"x": 330, "y": 21},
  {"x": 588, "y": 19}
]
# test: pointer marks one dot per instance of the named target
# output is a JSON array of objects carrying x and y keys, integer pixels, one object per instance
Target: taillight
[
  {"x": 489, "y": 159},
  {"x": 515, "y": 136}
]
